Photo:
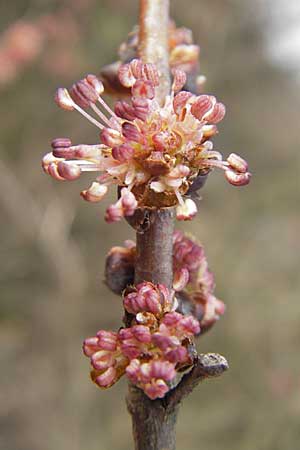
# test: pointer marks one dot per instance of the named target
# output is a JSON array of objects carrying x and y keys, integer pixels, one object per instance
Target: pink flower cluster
[
  {"x": 153, "y": 152},
  {"x": 193, "y": 277},
  {"x": 152, "y": 350}
]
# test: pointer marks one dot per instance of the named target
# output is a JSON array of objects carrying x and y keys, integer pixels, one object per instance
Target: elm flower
[
  {"x": 150, "y": 355},
  {"x": 147, "y": 297},
  {"x": 152, "y": 152},
  {"x": 152, "y": 376}
]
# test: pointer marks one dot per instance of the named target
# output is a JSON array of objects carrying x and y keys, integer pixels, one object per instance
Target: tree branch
[
  {"x": 208, "y": 365},
  {"x": 153, "y": 41}
]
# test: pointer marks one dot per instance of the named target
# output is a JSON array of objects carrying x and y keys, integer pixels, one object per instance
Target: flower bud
[
  {"x": 209, "y": 131},
  {"x": 237, "y": 163},
  {"x": 79, "y": 97},
  {"x": 128, "y": 200},
  {"x": 63, "y": 99},
  {"x": 156, "y": 389},
  {"x": 184, "y": 54},
  {"x": 202, "y": 105},
  {"x": 107, "y": 378},
  {"x": 238, "y": 179},
  {"x": 123, "y": 152},
  {"x": 187, "y": 211},
  {"x": 181, "y": 279},
  {"x": 180, "y": 101},
  {"x": 52, "y": 170},
  {"x": 133, "y": 370},
  {"x": 94, "y": 193},
  {"x": 47, "y": 160},
  {"x": 163, "y": 370},
  {"x": 124, "y": 110},
  {"x": 111, "y": 137},
  {"x": 96, "y": 83},
  {"x": 114, "y": 213},
  {"x": 177, "y": 355},
  {"x": 150, "y": 73},
  {"x": 90, "y": 346},
  {"x": 179, "y": 80},
  {"x": 126, "y": 76},
  {"x": 68, "y": 170},
  {"x": 136, "y": 67},
  {"x": 131, "y": 132},
  {"x": 107, "y": 340},
  {"x": 61, "y": 143},
  {"x": 143, "y": 89},
  {"x": 102, "y": 359},
  {"x": 141, "y": 333},
  {"x": 217, "y": 114},
  {"x": 141, "y": 107}
]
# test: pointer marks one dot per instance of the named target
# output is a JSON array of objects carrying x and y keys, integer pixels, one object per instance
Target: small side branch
[{"x": 208, "y": 365}]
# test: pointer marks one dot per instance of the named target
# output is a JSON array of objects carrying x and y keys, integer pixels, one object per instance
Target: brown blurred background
[{"x": 53, "y": 244}]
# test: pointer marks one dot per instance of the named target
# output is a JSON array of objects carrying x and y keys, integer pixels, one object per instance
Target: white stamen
[
  {"x": 85, "y": 166},
  {"x": 100, "y": 114},
  {"x": 100, "y": 100},
  {"x": 88, "y": 117},
  {"x": 179, "y": 197}
]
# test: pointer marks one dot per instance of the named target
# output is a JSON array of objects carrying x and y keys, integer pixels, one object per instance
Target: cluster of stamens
[
  {"x": 195, "y": 281},
  {"x": 152, "y": 350},
  {"x": 153, "y": 152}
]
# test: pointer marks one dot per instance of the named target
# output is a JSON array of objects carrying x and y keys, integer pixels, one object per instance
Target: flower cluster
[
  {"x": 153, "y": 152},
  {"x": 193, "y": 281},
  {"x": 152, "y": 350},
  {"x": 193, "y": 277}
]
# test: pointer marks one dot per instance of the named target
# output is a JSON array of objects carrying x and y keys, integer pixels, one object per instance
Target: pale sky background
[{"x": 282, "y": 33}]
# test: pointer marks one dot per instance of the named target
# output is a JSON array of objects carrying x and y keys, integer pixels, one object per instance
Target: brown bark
[{"x": 154, "y": 247}]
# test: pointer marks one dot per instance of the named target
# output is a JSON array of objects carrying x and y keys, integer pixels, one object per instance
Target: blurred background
[{"x": 53, "y": 244}]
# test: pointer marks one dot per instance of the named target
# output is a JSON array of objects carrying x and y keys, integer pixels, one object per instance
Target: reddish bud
[
  {"x": 237, "y": 163},
  {"x": 217, "y": 113},
  {"x": 150, "y": 73},
  {"x": 143, "y": 89},
  {"x": 179, "y": 80},
  {"x": 126, "y": 76},
  {"x": 102, "y": 359},
  {"x": 180, "y": 101},
  {"x": 136, "y": 67},
  {"x": 111, "y": 137},
  {"x": 107, "y": 378},
  {"x": 181, "y": 279},
  {"x": 141, "y": 107},
  {"x": 202, "y": 105},
  {"x": 94, "y": 193},
  {"x": 107, "y": 340},
  {"x": 90, "y": 346},
  {"x": 68, "y": 170},
  {"x": 131, "y": 132},
  {"x": 123, "y": 152},
  {"x": 187, "y": 211},
  {"x": 47, "y": 160},
  {"x": 53, "y": 172},
  {"x": 124, "y": 110},
  {"x": 96, "y": 83},
  {"x": 63, "y": 100},
  {"x": 238, "y": 179}
]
